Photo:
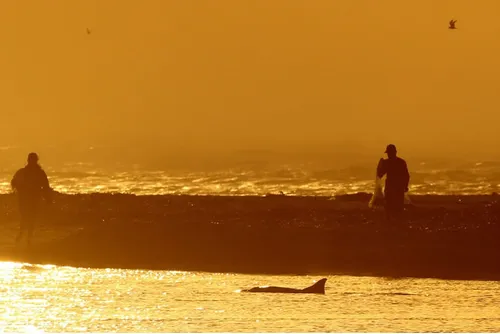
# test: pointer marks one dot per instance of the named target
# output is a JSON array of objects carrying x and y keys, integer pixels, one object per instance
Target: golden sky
[{"x": 251, "y": 73}]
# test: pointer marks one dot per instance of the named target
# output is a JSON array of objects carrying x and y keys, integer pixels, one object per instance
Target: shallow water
[
  {"x": 304, "y": 180},
  {"x": 52, "y": 299}
]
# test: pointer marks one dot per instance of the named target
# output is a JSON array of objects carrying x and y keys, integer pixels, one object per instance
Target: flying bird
[
  {"x": 452, "y": 24},
  {"x": 88, "y": 31}
]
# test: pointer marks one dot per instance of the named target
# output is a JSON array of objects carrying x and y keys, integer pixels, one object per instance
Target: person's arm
[
  {"x": 47, "y": 190},
  {"x": 45, "y": 181},
  {"x": 381, "y": 168},
  {"x": 14, "y": 183},
  {"x": 406, "y": 175}
]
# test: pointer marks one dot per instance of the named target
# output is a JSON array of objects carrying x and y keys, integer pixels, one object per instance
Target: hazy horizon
[{"x": 184, "y": 77}]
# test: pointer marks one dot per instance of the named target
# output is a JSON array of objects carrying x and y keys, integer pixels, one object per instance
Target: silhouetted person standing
[
  {"x": 32, "y": 186},
  {"x": 396, "y": 183}
]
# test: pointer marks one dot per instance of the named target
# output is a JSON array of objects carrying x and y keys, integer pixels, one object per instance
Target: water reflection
[
  {"x": 50, "y": 298},
  {"x": 87, "y": 179}
]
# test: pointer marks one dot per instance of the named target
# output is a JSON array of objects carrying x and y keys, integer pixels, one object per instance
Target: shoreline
[{"x": 445, "y": 236}]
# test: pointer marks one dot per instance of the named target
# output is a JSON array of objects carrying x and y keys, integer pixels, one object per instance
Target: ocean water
[
  {"x": 53, "y": 299},
  {"x": 305, "y": 180}
]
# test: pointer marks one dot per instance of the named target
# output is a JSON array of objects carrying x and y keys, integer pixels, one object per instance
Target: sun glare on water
[{"x": 48, "y": 298}]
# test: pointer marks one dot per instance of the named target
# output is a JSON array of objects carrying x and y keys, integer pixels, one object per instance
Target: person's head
[
  {"x": 391, "y": 151},
  {"x": 32, "y": 158}
]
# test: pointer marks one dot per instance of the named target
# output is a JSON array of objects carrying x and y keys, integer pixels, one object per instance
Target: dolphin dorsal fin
[{"x": 318, "y": 287}]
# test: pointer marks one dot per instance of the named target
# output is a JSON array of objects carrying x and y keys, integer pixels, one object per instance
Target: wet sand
[{"x": 452, "y": 237}]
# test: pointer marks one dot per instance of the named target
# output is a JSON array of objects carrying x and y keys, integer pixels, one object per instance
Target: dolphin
[{"x": 318, "y": 287}]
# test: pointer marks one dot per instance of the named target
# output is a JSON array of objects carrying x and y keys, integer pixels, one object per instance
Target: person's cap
[{"x": 390, "y": 148}]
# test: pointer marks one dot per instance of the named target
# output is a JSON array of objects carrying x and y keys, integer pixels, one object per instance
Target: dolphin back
[
  {"x": 274, "y": 289},
  {"x": 318, "y": 287}
]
